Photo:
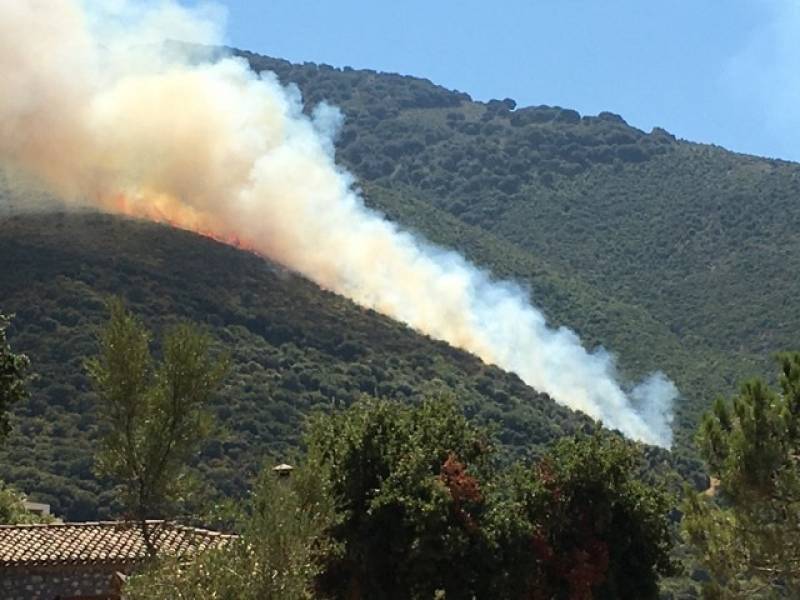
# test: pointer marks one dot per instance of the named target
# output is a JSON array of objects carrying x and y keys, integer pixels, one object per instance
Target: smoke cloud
[{"x": 90, "y": 107}]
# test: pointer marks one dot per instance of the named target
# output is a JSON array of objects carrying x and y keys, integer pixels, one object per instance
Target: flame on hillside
[{"x": 165, "y": 209}]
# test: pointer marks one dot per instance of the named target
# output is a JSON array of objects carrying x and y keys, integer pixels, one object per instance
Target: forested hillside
[
  {"x": 677, "y": 256},
  {"x": 293, "y": 348}
]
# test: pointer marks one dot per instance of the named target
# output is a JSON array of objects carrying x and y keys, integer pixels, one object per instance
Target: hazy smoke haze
[{"x": 90, "y": 107}]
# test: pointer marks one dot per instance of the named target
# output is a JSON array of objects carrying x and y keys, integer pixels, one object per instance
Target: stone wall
[{"x": 54, "y": 582}]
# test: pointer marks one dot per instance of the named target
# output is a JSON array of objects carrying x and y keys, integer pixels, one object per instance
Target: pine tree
[{"x": 747, "y": 525}]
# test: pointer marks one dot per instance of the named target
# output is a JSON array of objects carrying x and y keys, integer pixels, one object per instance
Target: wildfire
[{"x": 163, "y": 208}]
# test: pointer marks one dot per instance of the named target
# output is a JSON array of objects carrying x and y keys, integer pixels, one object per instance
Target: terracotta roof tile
[{"x": 104, "y": 542}]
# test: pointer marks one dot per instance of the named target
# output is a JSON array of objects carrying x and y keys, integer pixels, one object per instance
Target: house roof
[{"x": 98, "y": 543}]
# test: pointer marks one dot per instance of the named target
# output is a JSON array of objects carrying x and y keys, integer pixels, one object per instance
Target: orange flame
[{"x": 163, "y": 208}]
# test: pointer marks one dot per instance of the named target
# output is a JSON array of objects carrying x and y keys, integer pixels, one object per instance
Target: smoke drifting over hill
[{"x": 91, "y": 108}]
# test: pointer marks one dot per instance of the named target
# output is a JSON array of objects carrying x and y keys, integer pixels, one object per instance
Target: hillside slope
[
  {"x": 294, "y": 349},
  {"x": 675, "y": 255}
]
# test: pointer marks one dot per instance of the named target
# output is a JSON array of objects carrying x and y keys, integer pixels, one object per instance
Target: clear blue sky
[{"x": 719, "y": 71}]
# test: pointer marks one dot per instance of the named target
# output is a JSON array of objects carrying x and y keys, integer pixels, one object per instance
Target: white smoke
[{"x": 100, "y": 116}]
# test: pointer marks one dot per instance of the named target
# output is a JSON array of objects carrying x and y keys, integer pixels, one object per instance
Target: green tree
[
  {"x": 13, "y": 368},
  {"x": 586, "y": 527},
  {"x": 282, "y": 528},
  {"x": 12, "y": 508},
  {"x": 155, "y": 415},
  {"x": 403, "y": 502},
  {"x": 406, "y": 485},
  {"x": 747, "y": 525},
  {"x": 424, "y": 510}
]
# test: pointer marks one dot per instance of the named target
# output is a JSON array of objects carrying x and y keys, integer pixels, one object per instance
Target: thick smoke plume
[{"x": 91, "y": 108}]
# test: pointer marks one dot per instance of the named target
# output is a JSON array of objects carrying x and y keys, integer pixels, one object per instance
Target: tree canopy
[
  {"x": 154, "y": 415},
  {"x": 405, "y": 481},
  {"x": 13, "y": 374},
  {"x": 426, "y": 509},
  {"x": 595, "y": 530},
  {"x": 408, "y": 502},
  {"x": 13, "y": 389},
  {"x": 747, "y": 525},
  {"x": 282, "y": 528}
]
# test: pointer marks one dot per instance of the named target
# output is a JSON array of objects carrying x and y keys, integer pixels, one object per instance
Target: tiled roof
[{"x": 105, "y": 542}]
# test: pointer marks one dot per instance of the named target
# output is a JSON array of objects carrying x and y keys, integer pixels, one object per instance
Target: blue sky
[{"x": 719, "y": 71}]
